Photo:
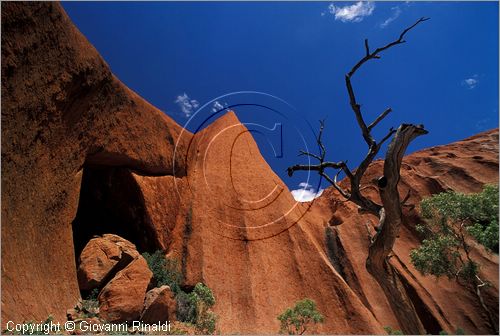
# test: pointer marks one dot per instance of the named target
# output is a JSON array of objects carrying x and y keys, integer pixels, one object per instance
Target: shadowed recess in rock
[{"x": 111, "y": 202}]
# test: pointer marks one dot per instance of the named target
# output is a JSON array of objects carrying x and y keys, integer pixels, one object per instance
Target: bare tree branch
[
  {"x": 379, "y": 119},
  {"x": 377, "y": 51},
  {"x": 390, "y": 212},
  {"x": 352, "y": 97},
  {"x": 384, "y": 139},
  {"x": 318, "y": 167},
  {"x": 309, "y": 154}
]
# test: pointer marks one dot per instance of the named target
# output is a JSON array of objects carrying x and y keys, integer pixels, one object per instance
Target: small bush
[
  {"x": 90, "y": 305},
  {"x": 165, "y": 271},
  {"x": 297, "y": 319},
  {"x": 195, "y": 308},
  {"x": 192, "y": 308},
  {"x": 391, "y": 331},
  {"x": 90, "y": 308},
  {"x": 450, "y": 218},
  {"x": 186, "y": 308}
]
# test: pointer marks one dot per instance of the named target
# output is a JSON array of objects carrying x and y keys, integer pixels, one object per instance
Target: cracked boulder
[
  {"x": 101, "y": 258},
  {"x": 122, "y": 299}
]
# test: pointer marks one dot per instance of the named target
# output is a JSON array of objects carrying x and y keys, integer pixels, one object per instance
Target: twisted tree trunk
[
  {"x": 389, "y": 213},
  {"x": 390, "y": 217}
]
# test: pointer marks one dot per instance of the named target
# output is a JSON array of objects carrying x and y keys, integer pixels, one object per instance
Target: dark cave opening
[{"x": 111, "y": 202}]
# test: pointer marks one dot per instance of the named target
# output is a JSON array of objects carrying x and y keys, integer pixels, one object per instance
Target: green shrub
[
  {"x": 195, "y": 307},
  {"x": 450, "y": 218},
  {"x": 391, "y": 331},
  {"x": 297, "y": 319},
  {"x": 186, "y": 308},
  {"x": 90, "y": 305},
  {"x": 477, "y": 212},
  {"x": 165, "y": 271}
]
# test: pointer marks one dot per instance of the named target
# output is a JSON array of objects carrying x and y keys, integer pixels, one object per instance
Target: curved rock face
[
  {"x": 74, "y": 137},
  {"x": 62, "y": 110},
  {"x": 250, "y": 242}
]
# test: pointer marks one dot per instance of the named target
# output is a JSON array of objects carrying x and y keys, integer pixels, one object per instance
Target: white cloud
[
  {"x": 307, "y": 193},
  {"x": 471, "y": 82},
  {"x": 217, "y": 106},
  {"x": 352, "y": 13},
  {"x": 396, "y": 12},
  {"x": 305, "y": 185},
  {"x": 187, "y": 105}
]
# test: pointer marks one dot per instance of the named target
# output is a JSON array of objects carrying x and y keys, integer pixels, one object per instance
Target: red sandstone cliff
[
  {"x": 84, "y": 155},
  {"x": 61, "y": 109},
  {"x": 463, "y": 166}
]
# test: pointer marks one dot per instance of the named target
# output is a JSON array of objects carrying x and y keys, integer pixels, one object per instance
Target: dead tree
[{"x": 389, "y": 212}]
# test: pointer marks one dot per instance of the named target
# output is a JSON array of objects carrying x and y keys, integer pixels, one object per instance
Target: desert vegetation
[
  {"x": 452, "y": 218},
  {"x": 194, "y": 307},
  {"x": 300, "y": 318}
]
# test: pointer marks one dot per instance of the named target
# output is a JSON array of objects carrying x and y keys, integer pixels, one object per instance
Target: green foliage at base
[
  {"x": 195, "y": 308},
  {"x": 192, "y": 308},
  {"x": 90, "y": 305},
  {"x": 391, "y": 331},
  {"x": 459, "y": 331},
  {"x": 297, "y": 319},
  {"x": 166, "y": 271}
]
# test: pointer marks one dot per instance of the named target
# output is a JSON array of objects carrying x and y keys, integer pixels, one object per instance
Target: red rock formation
[
  {"x": 122, "y": 299},
  {"x": 62, "y": 109},
  {"x": 231, "y": 222},
  {"x": 159, "y": 305},
  {"x": 101, "y": 258},
  {"x": 247, "y": 239},
  {"x": 463, "y": 166}
]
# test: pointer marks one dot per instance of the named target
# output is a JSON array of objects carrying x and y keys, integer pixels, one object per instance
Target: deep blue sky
[{"x": 445, "y": 76}]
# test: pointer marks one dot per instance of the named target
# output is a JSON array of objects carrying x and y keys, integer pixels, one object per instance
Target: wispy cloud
[
  {"x": 482, "y": 124},
  {"x": 395, "y": 13},
  {"x": 306, "y": 193},
  {"x": 352, "y": 13},
  {"x": 218, "y": 106},
  {"x": 186, "y": 104},
  {"x": 471, "y": 82}
]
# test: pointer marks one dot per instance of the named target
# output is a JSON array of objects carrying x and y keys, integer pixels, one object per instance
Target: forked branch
[{"x": 389, "y": 213}]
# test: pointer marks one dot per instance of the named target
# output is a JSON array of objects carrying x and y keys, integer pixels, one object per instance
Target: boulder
[
  {"x": 159, "y": 305},
  {"x": 122, "y": 299},
  {"x": 101, "y": 257}
]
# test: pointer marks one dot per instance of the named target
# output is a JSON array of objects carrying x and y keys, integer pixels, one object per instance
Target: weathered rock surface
[
  {"x": 442, "y": 304},
  {"x": 101, "y": 257},
  {"x": 159, "y": 305},
  {"x": 62, "y": 110},
  {"x": 260, "y": 251},
  {"x": 68, "y": 122},
  {"x": 122, "y": 298},
  {"x": 251, "y": 244}
]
